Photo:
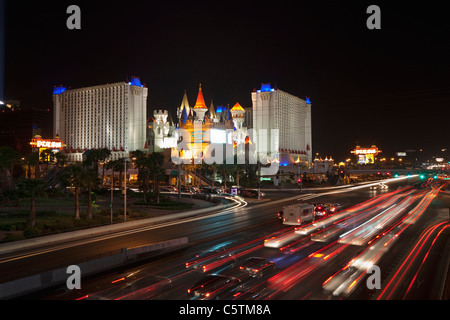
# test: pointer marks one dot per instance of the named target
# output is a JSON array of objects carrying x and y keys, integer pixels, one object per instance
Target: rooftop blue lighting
[
  {"x": 135, "y": 82},
  {"x": 266, "y": 87},
  {"x": 308, "y": 101},
  {"x": 59, "y": 90},
  {"x": 219, "y": 109}
]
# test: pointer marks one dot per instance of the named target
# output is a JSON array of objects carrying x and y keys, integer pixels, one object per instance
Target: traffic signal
[
  {"x": 342, "y": 173},
  {"x": 422, "y": 176},
  {"x": 299, "y": 180},
  {"x": 396, "y": 175}
]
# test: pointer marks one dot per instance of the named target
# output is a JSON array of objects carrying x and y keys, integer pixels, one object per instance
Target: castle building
[{"x": 221, "y": 125}]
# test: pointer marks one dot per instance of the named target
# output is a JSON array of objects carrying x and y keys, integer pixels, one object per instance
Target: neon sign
[
  {"x": 366, "y": 155},
  {"x": 365, "y": 151},
  {"x": 48, "y": 144}
]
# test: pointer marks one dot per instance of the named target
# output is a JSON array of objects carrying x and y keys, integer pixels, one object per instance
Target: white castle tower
[
  {"x": 240, "y": 133},
  {"x": 161, "y": 128}
]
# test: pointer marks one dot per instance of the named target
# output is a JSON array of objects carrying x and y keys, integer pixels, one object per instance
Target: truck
[{"x": 297, "y": 214}]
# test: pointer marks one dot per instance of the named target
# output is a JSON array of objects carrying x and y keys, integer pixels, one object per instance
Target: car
[
  {"x": 214, "y": 286},
  {"x": 257, "y": 267},
  {"x": 251, "y": 193},
  {"x": 137, "y": 285},
  {"x": 320, "y": 210},
  {"x": 280, "y": 214},
  {"x": 211, "y": 190},
  {"x": 333, "y": 207},
  {"x": 187, "y": 190},
  {"x": 168, "y": 189}
]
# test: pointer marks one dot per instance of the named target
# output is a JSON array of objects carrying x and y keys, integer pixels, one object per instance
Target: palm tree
[
  {"x": 93, "y": 156},
  {"x": 32, "y": 188},
  {"x": 89, "y": 180},
  {"x": 237, "y": 169},
  {"x": 32, "y": 160},
  {"x": 110, "y": 165},
  {"x": 104, "y": 155},
  {"x": 8, "y": 158},
  {"x": 155, "y": 162},
  {"x": 75, "y": 171},
  {"x": 140, "y": 159},
  {"x": 214, "y": 167},
  {"x": 225, "y": 169}
]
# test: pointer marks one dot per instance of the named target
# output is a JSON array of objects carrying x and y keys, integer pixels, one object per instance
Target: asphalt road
[{"x": 244, "y": 230}]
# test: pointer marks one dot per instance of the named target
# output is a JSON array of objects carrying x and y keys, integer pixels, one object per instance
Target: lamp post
[
  {"x": 179, "y": 180},
  {"x": 259, "y": 180},
  {"x": 125, "y": 191},
  {"x": 299, "y": 162},
  {"x": 112, "y": 188}
]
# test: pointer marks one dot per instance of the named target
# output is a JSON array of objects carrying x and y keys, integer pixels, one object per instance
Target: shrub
[{"x": 31, "y": 232}]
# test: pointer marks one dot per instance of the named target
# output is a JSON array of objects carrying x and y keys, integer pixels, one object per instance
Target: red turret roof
[
  {"x": 200, "y": 104},
  {"x": 237, "y": 107}
]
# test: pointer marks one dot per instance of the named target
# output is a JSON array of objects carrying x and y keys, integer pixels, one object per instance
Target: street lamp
[
  {"x": 124, "y": 192},
  {"x": 300, "y": 181}
]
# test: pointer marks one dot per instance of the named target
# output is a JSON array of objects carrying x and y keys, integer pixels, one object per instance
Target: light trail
[
  {"x": 323, "y": 223},
  {"x": 345, "y": 281}
]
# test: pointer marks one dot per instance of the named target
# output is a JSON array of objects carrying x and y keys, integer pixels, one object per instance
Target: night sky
[{"x": 389, "y": 87}]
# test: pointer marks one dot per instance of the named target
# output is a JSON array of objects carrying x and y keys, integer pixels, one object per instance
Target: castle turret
[
  {"x": 200, "y": 106},
  {"x": 237, "y": 114}
]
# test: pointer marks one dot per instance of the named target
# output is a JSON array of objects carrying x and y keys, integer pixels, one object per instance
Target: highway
[{"x": 326, "y": 259}]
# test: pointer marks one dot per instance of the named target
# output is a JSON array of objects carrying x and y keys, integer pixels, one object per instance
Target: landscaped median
[
  {"x": 56, "y": 215},
  {"x": 18, "y": 286},
  {"x": 132, "y": 225}
]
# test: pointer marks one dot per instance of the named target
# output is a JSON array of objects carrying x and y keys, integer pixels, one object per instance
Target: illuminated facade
[
  {"x": 54, "y": 145},
  {"x": 39, "y": 143},
  {"x": 275, "y": 110},
  {"x": 111, "y": 116},
  {"x": 221, "y": 126},
  {"x": 282, "y": 126},
  {"x": 163, "y": 132}
]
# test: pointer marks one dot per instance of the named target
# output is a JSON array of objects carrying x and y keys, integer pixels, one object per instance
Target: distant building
[
  {"x": 111, "y": 116},
  {"x": 282, "y": 124},
  {"x": 18, "y": 125}
]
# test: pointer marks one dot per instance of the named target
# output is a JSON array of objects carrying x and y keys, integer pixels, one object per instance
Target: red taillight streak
[
  {"x": 424, "y": 234},
  {"x": 423, "y": 260},
  {"x": 115, "y": 281}
]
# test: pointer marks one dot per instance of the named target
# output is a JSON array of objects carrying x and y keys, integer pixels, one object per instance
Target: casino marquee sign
[
  {"x": 366, "y": 155},
  {"x": 39, "y": 143}
]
